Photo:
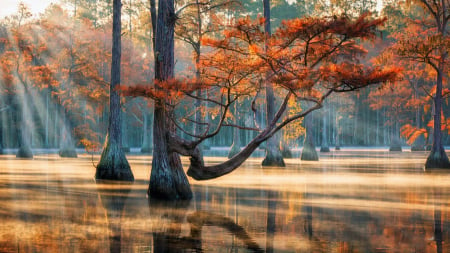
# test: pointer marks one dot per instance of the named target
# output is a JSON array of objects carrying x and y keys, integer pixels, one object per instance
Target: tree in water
[
  {"x": 309, "y": 152},
  {"x": 274, "y": 157},
  {"x": 113, "y": 164},
  {"x": 307, "y": 62},
  {"x": 430, "y": 47}
]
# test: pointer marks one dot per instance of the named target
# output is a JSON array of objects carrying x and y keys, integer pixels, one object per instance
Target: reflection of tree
[
  {"x": 201, "y": 218},
  {"x": 173, "y": 215},
  {"x": 271, "y": 213},
  {"x": 113, "y": 201}
]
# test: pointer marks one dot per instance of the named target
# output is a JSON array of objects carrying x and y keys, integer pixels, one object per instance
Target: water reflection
[
  {"x": 55, "y": 206},
  {"x": 113, "y": 196}
]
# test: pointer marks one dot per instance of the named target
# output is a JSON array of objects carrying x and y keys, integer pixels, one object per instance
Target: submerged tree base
[
  {"x": 273, "y": 159},
  {"x": 337, "y": 148},
  {"x": 24, "y": 152},
  {"x": 113, "y": 165},
  {"x": 309, "y": 153},
  {"x": 418, "y": 148},
  {"x": 437, "y": 159},
  {"x": 395, "y": 148},
  {"x": 68, "y": 153},
  {"x": 324, "y": 149}
]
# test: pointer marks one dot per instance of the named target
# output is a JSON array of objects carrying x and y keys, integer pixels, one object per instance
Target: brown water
[{"x": 347, "y": 202}]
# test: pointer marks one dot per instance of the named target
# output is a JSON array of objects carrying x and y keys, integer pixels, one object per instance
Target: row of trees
[{"x": 243, "y": 68}]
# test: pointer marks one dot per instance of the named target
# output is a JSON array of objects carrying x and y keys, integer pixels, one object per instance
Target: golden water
[{"x": 347, "y": 202}]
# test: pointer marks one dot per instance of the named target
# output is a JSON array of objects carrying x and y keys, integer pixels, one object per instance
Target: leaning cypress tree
[{"x": 113, "y": 164}]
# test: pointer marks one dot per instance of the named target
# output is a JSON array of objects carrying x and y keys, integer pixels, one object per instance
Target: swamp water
[{"x": 349, "y": 201}]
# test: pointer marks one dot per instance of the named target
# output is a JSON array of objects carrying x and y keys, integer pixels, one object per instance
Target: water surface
[{"x": 350, "y": 201}]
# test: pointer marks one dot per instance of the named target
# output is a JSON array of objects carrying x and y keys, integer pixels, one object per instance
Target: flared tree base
[
  {"x": 324, "y": 149},
  {"x": 309, "y": 153},
  {"x": 68, "y": 153},
  {"x": 24, "y": 152},
  {"x": 168, "y": 181},
  {"x": 126, "y": 149},
  {"x": 395, "y": 148},
  {"x": 437, "y": 159},
  {"x": 113, "y": 165},
  {"x": 273, "y": 159},
  {"x": 337, "y": 148}
]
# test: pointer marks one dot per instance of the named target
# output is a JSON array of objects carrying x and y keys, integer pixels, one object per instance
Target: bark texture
[
  {"x": 113, "y": 164},
  {"x": 167, "y": 179}
]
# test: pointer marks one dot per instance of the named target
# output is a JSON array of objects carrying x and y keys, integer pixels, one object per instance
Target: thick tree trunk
[
  {"x": 274, "y": 156},
  {"x": 113, "y": 164},
  {"x": 167, "y": 179},
  {"x": 309, "y": 152},
  {"x": 438, "y": 159}
]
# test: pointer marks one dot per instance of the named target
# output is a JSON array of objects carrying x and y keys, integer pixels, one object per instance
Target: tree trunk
[
  {"x": 23, "y": 131},
  {"x": 273, "y": 152},
  {"x": 113, "y": 164},
  {"x": 236, "y": 146},
  {"x": 419, "y": 144},
  {"x": 167, "y": 179},
  {"x": 67, "y": 146},
  {"x": 438, "y": 158},
  {"x": 124, "y": 138},
  {"x": 309, "y": 152},
  {"x": 324, "y": 147},
  {"x": 395, "y": 139},
  {"x": 147, "y": 132}
]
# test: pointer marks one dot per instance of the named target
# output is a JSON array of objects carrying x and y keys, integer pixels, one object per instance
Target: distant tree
[{"x": 113, "y": 163}]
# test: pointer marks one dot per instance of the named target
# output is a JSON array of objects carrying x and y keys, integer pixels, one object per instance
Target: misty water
[{"x": 349, "y": 201}]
